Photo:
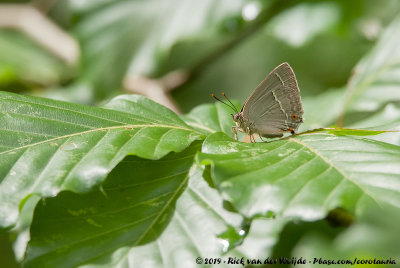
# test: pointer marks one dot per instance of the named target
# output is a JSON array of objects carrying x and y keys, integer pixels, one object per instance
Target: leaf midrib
[
  {"x": 96, "y": 130},
  {"x": 143, "y": 119},
  {"x": 62, "y": 108}
]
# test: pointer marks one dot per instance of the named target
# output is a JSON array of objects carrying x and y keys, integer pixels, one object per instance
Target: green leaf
[
  {"x": 108, "y": 239},
  {"x": 304, "y": 176},
  {"x": 132, "y": 207},
  {"x": 349, "y": 131},
  {"x": 375, "y": 82},
  {"x": 126, "y": 219},
  {"x": 47, "y": 146},
  {"x": 199, "y": 217},
  {"x": 21, "y": 231},
  {"x": 198, "y": 220}
]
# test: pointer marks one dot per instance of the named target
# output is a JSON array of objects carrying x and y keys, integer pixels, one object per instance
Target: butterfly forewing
[{"x": 275, "y": 105}]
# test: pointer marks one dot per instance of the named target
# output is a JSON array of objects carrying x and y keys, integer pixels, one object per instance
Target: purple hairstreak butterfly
[{"x": 272, "y": 109}]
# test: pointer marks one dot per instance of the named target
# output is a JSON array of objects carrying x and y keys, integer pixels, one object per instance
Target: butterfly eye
[{"x": 294, "y": 116}]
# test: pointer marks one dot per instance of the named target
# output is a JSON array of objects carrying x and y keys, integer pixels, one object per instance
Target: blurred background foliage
[
  {"x": 100, "y": 49},
  {"x": 221, "y": 45}
]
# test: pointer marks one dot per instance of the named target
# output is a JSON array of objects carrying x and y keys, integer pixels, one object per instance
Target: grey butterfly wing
[{"x": 275, "y": 105}]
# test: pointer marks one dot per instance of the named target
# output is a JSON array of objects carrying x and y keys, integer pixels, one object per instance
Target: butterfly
[{"x": 272, "y": 109}]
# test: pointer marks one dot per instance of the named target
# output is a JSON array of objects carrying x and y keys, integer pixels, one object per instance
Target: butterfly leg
[
  {"x": 252, "y": 140},
  {"x": 259, "y": 135},
  {"x": 248, "y": 133},
  {"x": 234, "y": 133}
]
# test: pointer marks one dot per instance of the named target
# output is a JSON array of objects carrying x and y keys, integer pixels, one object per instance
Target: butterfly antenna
[
  {"x": 223, "y": 94},
  {"x": 212, "y": 95}
]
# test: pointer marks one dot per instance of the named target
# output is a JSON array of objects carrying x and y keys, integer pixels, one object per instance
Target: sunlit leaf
[
  {"x": 304, "y": 176},
  {"x": 349, "y": 131}
]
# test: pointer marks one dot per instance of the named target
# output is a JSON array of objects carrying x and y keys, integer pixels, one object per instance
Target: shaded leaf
[
  {"x": 47, "y": 146},
  {"x": 304, "y": 176},
  {"x": 198, "y": 219},
  {"x": 132, "y": 207},
  {"x": 294, "y": 231},
  {"x": 108, "y": 221}
]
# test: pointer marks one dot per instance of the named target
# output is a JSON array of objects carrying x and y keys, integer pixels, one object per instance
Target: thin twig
[
  {"x": 157, "y": 89},
  {"x": 29, "y": 20}
]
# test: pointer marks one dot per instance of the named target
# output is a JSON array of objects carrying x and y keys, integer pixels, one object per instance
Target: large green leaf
[
  {"x": 117, "y": 224},
  {"x": 122, "y": 224},
  {"x": 198, "y": 218},
  {"x": 198, "y": 222},
  {"x": 304, "y": 176},
  {"x": 47, "y": 146},
  {"x": 132, "y": 207}
]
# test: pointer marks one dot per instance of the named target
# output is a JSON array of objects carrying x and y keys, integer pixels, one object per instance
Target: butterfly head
[{"x": 238, "y": 117}]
